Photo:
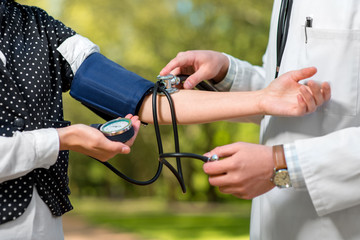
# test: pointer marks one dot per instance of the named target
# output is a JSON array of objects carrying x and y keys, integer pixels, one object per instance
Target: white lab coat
[{"x": 327, "y": 141}]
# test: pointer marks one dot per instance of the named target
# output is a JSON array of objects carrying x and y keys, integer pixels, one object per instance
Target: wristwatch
[{"x": 281, "y": 176}]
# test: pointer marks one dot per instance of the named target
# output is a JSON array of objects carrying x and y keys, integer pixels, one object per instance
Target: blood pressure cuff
[{"x": 107, "y": 88}]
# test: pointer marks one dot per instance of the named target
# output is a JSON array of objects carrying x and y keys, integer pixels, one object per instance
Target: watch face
[
  {"x": 116, "y": 126},
  {"x": 282, "y": 179}
]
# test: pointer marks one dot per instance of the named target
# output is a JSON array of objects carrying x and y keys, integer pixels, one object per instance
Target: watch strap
[{"x": 279, "y": 157}]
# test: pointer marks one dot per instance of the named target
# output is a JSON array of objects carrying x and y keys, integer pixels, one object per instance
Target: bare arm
[
  {"x": 284, "y": 96},
  {"x": 201, "y": 106}
]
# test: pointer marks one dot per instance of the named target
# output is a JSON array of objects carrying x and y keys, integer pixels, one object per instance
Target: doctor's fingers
[
  {"x": 203, "y": 73},
  {"x": 225, "y": 150},
  {"x": 195, "y": 75},
  {"x": 223, "y": 166},
  {"x": 229, "y": 162},
  {"x": 182, "y": 59},
  {"x": 237, "y": 191},
  {"x": 235, "y": 188},
  {"x": 215, "y": 168},
  {"x": 220, "y": 180}
]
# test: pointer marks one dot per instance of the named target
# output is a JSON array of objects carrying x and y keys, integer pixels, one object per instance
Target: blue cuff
[{"x": 107, "y": 88}]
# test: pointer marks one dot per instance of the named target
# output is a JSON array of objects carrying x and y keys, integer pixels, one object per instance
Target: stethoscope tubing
[{"x": 158, "y": 88}]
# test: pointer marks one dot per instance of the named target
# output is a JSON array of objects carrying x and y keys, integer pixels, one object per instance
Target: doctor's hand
[
  {"x": 90, "y": 141},
  {"x": 200, "y": 65},
  {"x": 245, "y": 170},
  {"x": 285, "y": 96}
]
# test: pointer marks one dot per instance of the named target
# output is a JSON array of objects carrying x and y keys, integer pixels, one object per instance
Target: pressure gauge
[{"x": 119, "y": 130}]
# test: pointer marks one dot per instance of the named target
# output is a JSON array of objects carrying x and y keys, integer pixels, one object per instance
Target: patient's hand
[{"x": 286, "y": 97}]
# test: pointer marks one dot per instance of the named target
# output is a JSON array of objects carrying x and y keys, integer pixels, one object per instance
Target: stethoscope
[
  {"x": 282, "y": 31},
  {"x": 121, "y": 130}
]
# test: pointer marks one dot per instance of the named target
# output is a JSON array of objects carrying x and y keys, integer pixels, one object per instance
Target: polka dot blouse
[{"x": 33, "y": 76}]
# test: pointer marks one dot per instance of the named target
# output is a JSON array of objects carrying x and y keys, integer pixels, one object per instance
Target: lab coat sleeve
[
  {"x": 332, "y": 171},
  {"x": 242, "y": 76},
  {"x": 25, "y": 151}
]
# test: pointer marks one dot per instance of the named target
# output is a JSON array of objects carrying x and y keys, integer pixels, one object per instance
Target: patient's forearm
[
  {"x": 283, "y": 97},
  {"x": 201, "y": 106}
]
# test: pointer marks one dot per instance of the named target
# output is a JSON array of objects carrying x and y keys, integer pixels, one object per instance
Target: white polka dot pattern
[{"x": 32, "y": 81}]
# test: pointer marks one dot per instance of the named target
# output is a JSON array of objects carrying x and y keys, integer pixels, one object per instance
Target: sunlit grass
[{"x": 155, "y": 219}]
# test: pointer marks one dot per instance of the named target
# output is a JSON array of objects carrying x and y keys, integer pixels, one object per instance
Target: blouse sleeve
[{"x": 26, "y": 151}]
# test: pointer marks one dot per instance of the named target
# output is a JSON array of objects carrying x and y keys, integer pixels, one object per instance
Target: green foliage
[{"x": 143, "y": 36}]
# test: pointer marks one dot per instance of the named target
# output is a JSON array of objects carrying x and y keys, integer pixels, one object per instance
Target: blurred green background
[{"x": 143, "y": 36}]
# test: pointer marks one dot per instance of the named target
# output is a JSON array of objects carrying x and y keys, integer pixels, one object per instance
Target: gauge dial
[{"x": 116, "y": 126}]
